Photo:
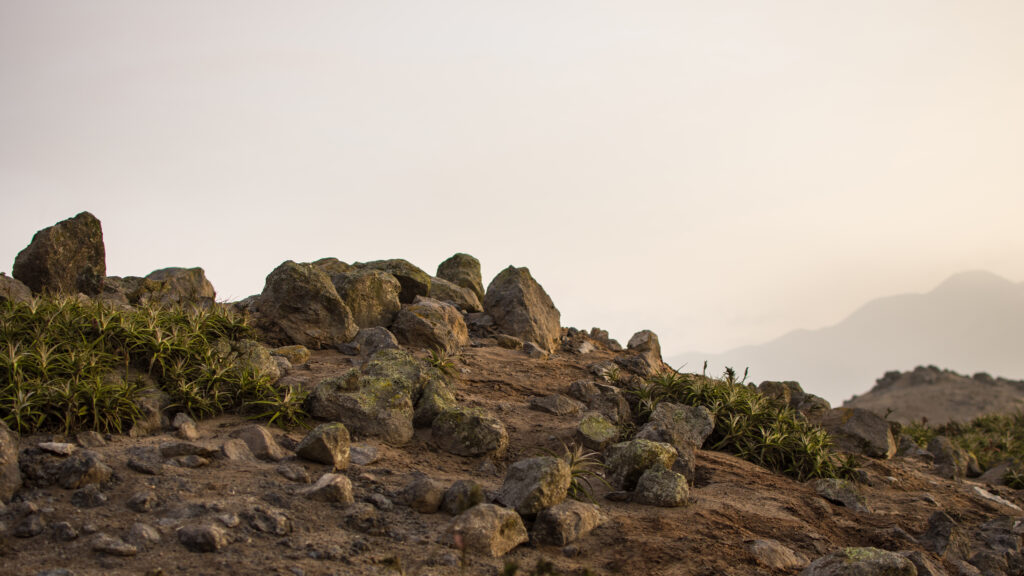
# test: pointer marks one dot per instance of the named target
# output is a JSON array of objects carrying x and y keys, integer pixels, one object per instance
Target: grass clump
[
  {"x": 992, "y": 438},
  {"x": 68, "y": 364},
  {"x": 747, "y": 423}
]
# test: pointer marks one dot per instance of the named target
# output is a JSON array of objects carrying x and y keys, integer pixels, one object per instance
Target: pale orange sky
[{"x": 718, "y": 172}]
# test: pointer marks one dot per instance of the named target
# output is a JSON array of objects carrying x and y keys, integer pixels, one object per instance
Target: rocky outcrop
[
  {"x": 428, "y": 323},
  {"x": 371, "y": 295},
  {"x": 415, "y": 282},
  {"x": 534, "y": 484},
  {"x": 299, "y": 305},
  {"x": 645, "y": 344},
  {"x": 463, "y": 270},
  {"x": 328, "y": 444},
  {"x": 521, "y": 308},
  {"x": 462, "y": 298},
  {"x": 66, "y": 258},
  {"x": 11, "y": 290}
]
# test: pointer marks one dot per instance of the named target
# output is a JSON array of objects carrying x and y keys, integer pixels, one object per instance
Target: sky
[{"x": 718, "y": 172}]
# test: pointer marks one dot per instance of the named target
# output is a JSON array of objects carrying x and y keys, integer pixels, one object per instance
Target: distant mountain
[
  {"x": 972, "y": 322},
  {"x": 940, "y": 396}
]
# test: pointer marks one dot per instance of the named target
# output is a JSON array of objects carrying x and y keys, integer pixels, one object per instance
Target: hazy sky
[{"x": 719, "y": 172}]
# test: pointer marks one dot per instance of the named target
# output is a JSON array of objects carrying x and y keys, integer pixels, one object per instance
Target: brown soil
[{"x": 732, "y": 503}]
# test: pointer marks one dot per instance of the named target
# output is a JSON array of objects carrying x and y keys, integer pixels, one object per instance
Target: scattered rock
[
  {"x": 299, "y": 305},
  {"x": 595, "y": 432},
  {"x": 64, "y": 532},
  {"x": 294, "y": 473},
  {"x": 261, "y": 443},
  {"x": 556, "y": 404},
  {"x": 89, "y": 496},
  {"x": 327, "y": 444},
  {"x": 423, "y": 495},
  {"x": 143, "y": 501},
  {"x": 774, "y": 555},
  {"x": 606, "y": 399},
  {"x": 627, "y": 461},
  {"x": 203, "y": 537},
  {"x": 861, "y": 562},
  {"x": 107, "y": 544},
  {"x": 534, "y": 484},
  {"x": 859, "y": 431},
  {"x": 488, "y": 529},
  {"x": 30, "y": 526},
  {"x": 90, "y": 439},
  {"x": 684, "y": 427},
  {"x": 461, "y": 496},
  {"x": 659, "y": 486},
  {"x": 237, "y": 450},
  {"x": 82, "y": 468},
  {"x": 66, "y": 258},
  {"x": 521, "y": 308},
  {"x": 566, "y": 522},
  {"x": 842, "y": 492},
  {"x": 143, "y": 535},
  {"x": 335, "y": 488},
  {"x": 429, "y": 323},
  {"x": 270, "y": 520},
  {"x": 363, "y": 454},
  {"x": 469, "y": 432}
]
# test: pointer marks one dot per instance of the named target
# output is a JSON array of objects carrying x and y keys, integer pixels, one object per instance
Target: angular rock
[
  {"x": 645, "y": 343},
  {"x": 369, "y": 341},
  {"x": 363, "y": 454},
  {"x": 269, "y": 520},
  {"x": 66, "y": 258},
  {"x": 12, "y": 290},
  {"x": 295, "y": 354},
  {"x": 82, "y": 468},
  {"x": 945, "y": 537},
  {"x": 107, "y": 544},
  {"x": 236, "y": 450},
  {"x": 950, "y": 460},
  {"x": 30, "y": 526},
  {"x": 203, "y": 537},
  {"x": 300, "y": 305},
  {"x": 143, "y": 535},
  {"x": 294, "y": 473},
  {"x": 627, "y": 461},
  {"x": 604, "y": 398},
  {"x": 90, "y": 439},
  {"x": 143, "y": 501},
  {"x": 509, "y": 342},
  {"x": 415, "y": 282},
  {"x": 659, "y": 486},
  {"x": 461, "y": 298},
  {"x": 842, "y": 492},
  {"x": 327, "y": 444},
  {"x": 371, "y": 295},
  {"x": 336, "y": 488},
  {"x": 435, "y": 399},
  {"x": 860, "y": 431},
  {"x": 521, "y": 308},
  {"x": 791, "y": 394},
  {"x": 463, "y": 270},
  {"x": 429, "y": 323},
  {"x": 178, "y": 286},
  {"x": 89, "y": 496},
  {"x": 261, "y": 443},
  {"x": 250, "y": 355},
  {"x": 534, "y": 484},
  {"x": 461, "y": 496},
  {"x": 488, "y": 529},
  {"x": 373, "y": 405},
  {"x": 861, "y": 562},
  {"x": 556, "y": 404},
  {"x": 679, "y": 425},
  {"x": 469, "y": 432},
  {"x": 10, "y": 471},
  {"x": 774, "y": 555},
  {"x": 566, "y": 522},
  {"x": 423, "y": 495},
  {"x": 595, "y": 432}
]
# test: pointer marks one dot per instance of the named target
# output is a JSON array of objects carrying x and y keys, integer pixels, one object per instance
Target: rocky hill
[
  {"x": 940, "y": 396},
  {"x": 440, "y": 416},
  {"x": 969, "y": 323}
]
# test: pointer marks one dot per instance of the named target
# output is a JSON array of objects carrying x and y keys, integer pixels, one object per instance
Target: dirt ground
[{"x": 732, "y": 502}]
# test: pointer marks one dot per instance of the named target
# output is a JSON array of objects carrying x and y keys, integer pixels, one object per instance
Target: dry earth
[{"x": 732, "y": 503}]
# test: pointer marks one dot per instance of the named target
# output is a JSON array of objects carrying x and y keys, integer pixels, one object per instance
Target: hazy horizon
[{"x": 720, "y": 174}]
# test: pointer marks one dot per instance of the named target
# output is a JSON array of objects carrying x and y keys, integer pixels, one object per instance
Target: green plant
[
  {"x": 585, "y": 467},
  {"x": 442, "y": 360}
]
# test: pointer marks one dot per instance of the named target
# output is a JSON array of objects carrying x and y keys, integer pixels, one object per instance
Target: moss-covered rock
[
  {"x": 463, "y": 270},
  {"x": 429, "y": 323},
  {"x": 595, "y": 432},
  {"x": 469, "y": 432},
  {"x": 627, "y": 461},
  {"x": 534, "y": 484},
  {"x": 435, "y": 399},
  {"x": 415, "y": 282},
  {"x": 371, "y": 295},
  {"x": 458, "y": 296},
  {"x": 659, "y": 486},
  {"x": 294, "y": 354}
]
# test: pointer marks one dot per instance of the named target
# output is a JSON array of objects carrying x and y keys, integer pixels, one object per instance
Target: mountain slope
[{"x": 972, "y": 322}]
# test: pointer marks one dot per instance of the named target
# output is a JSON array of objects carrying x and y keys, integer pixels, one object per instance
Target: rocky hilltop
[
  {"x": 939, "y": 396},
  {"x": 451, "y": 428}
]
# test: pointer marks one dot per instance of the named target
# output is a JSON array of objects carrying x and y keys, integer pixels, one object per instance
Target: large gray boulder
[
  {"x": 488, "y": 529},
  {"x": 861, "y": 562},
  {"x": 462, "y": 298},
  {"x": 521, "y": 308},
  {"x": 10, "y": 473},
  {"x": 371, "y": 295},
  {"x": 859, "y": 431},
  {"x": 178, "y": 286},
  {"x": 463, "y": 270},
  {"x": 415, "y": 282},
  {"x": 534, "y": 484},
  {"x": 66, "y": 258},
  {"x": 376, "y": 400},
  {"x": 428, "y": 323},
  {"x": 300, "y": 305},
  {"x": 12, "y": 290}
]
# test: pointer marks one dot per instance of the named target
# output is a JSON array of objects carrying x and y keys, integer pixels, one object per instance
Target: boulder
[
  {"x": 369, "y": 341},
  {"x": 334, "y": 488},
  {"x": 428, "y": 323},
  {"x": 469, "y": 432},
  {"x": 521, "y": 308},
  {"x": 950, "y": 460},
  {"x": 327, "y": 444},
  {"x": 371, "y": 295},
  {"x": 376, "y": 400},
  {"x": 604, "y": 398},
  {"x": 12, "y": 290},
  {"x": 595, "y": 432},
  {"x": 66, "y": 258},
  {"x": 177, "y": 286},
  {"x": 556, "y": 404},
  {"x": 462, "y": 298},
  {"x": 423, "y": 495},
  {"x": 415, "y": 282},
  {"x": 841, "y": 492},
  {"x": 680, "y": 425},
  {"x": 791, "y": 394},
  {"x": 645, "y": 343},
  {"x": 488, "y": 529},
  {"x": 332, "y": 267},
  {"x": 859, "y": 431},
  {"x": 10, "y": 472},
  {"x": 627, "y": 461},
  {"x": 861, "y": 562},
  {"x": 534, "y": 484},
  {"x": 659, "y": 486},
  {"x": 461, "y": 496},
  {"x": 463, "y": 270},
  {"x": 435, "y": 399},
  {"x": 261, "y": 443},
  {"x": 299, "y": 305},
  {"x": 566, "y": 522}
]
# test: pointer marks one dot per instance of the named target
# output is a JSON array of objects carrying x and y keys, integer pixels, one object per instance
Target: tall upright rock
[
  {"x": 66, "y": 258},
  {"x": 521, "y": 308},
  {"x": 463, "y": 270}
]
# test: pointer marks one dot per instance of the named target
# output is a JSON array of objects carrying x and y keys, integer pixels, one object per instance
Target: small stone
[
  {"x": 58, "y": 448},
  {"x": 326, "y": 444},
  {"x": 423, "y": 495},
  {"x": 203, "y": 537},
  {"x": 189, "y": 431},
  {"x": 270, "y": 521},
  {"x": 236, "y": 450},
  {"x": 143, "y": 535},
  {"x": 89, "y": 496},
  {"x": 534, "y": 351},
  {"x": 566, "y": 522},
  {"x": 180, "y": 419},
  {"x": 534, "y": 484},
  {"x": 336, "y": 488},
  {"x": 107, "y": 544},
  {"x": 557, "y": 404},
  {"x": 865, "y": 561},
  {"x": 261, "y": 443},
  {"x": 294, "y": 473},
  {"x": 842, "y": 492},
  {"x": 228, "y": 519},
  {"x": 90, "y": 439},
  {"x": 461, "y": 496},
  {"x": 145, "y": 466},
  {"x": 488, "y": 529},
  {"x": 363, "y": 454},
  {"x": 659, "y": 486},
  {"x": 81, "y": 468},
  {"x": 64, "y": 532},
  {"x": 143, "y": 501},
  {"x": 774, "y": 555},
  {"x": 30, "y": 526},
  {"x": 174, "y": 449},
  {"x": 190, "y": 461}
]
